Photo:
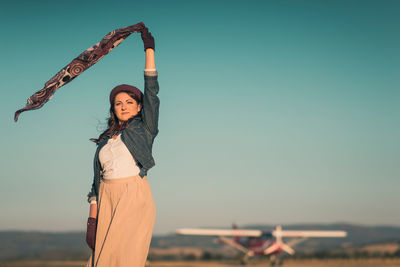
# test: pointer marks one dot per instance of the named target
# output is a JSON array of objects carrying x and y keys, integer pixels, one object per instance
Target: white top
[{"x": 116, "y": 160}]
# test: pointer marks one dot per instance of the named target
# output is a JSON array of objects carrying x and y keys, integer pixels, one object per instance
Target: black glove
[
  {"x": 147, "y": 38},
  {"x": 91, "y": 232}
]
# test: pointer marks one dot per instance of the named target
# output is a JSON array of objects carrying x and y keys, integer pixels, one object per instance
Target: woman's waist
[
  {"x": 122, "y": 179},
  {"x": 116, "y": 171}
]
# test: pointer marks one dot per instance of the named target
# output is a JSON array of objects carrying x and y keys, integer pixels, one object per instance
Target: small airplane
[{"x": 257, "y": 242}]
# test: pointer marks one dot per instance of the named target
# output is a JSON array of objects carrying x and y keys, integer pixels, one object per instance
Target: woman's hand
[
  {"x": 91, "y": 232},
  {"x": 148, "y": 39},
  {"x": 91, "y": 226}
]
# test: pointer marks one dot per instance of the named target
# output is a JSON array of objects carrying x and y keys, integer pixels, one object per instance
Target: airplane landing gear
[
  {"x": 276, "y": 261},
  {"x": 244, "y": 260}
]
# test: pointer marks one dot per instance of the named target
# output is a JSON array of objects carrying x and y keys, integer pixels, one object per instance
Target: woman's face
[{"x": 125, "y": 107}]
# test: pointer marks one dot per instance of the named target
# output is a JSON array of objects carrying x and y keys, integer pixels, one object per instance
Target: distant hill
[
  {"x": 357, "y": 236},
  {"x": 22, "y": 245}
]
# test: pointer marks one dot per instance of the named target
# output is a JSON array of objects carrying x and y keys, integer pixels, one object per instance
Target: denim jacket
[{"x": 138, "y": 136}]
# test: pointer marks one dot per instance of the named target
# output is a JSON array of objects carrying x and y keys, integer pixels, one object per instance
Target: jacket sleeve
[
  {"x": 92, "y": 195},
  {"x": 151, "y": 102}
]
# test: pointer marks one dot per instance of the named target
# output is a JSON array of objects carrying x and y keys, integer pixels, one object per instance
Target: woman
[{"x": 121, "y": 203}]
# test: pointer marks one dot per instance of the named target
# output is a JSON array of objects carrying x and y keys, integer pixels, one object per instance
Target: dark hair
[{"x": 113, "y": 123}]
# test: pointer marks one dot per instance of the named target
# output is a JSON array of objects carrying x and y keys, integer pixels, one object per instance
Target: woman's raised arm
[{"x": 151, "y": 101}]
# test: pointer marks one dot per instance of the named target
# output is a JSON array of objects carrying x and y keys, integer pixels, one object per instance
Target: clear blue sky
[{"x": 271, "y": 111}]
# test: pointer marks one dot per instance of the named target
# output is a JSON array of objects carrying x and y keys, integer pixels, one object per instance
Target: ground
[{"x": 288, "y": 263}]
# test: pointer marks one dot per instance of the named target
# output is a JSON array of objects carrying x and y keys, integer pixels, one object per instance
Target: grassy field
[{"x": 288, "y": 263}]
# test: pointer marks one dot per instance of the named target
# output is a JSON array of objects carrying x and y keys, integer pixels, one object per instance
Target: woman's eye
[{"x": 117, "y": 104}]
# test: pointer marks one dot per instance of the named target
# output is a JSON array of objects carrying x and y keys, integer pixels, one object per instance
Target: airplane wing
[
  {"x": 288, "y": 233},
  {"x": 219, "y": 232},
  {"x": 257, "y": 233}
]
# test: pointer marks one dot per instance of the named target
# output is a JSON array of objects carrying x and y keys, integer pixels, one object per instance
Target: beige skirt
[{"x": 126, "y": 215}]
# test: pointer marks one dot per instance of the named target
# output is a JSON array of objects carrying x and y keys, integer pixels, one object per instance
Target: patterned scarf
[{"x": 78, "y": 65}]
